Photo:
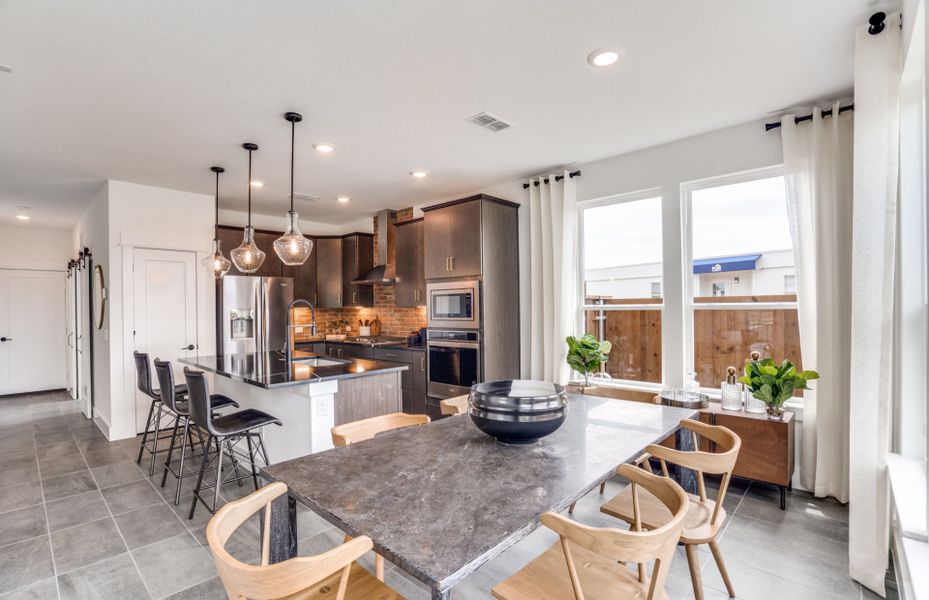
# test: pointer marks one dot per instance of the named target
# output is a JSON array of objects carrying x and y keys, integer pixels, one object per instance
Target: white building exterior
[{"x": 773, "y": 275}]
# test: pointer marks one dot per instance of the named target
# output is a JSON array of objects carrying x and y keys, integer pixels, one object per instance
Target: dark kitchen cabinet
[
  {"x": 304, "y": 277},
  {"x": 410, "y": 289},
  {"x": 329, "y": 272},
  {"x": 272, "y": 265},
  {"x": 357, "y": 259},
  {"x": 452, "y": 238}
]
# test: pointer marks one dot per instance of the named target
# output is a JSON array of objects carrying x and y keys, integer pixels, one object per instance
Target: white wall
[
  {"x": 92, "y": 231},
  {"x": 740, "y": 148},
  {"x": 122, "y": 217},
  {"x": 28, "y": 247}
]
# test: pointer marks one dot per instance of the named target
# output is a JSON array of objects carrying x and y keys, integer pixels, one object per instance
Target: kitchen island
[{"x": 309, "y": 394}]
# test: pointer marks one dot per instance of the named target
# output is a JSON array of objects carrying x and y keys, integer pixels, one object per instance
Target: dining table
[{"x": 440, "y": 500}]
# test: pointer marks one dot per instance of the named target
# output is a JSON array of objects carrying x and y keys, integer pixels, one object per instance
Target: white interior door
[
  {"x": 33, "y": 339},
  {"x": 164, "y": 312},
  {"x": 71, "y": 332},
  {"x": 82, "y": 333}
]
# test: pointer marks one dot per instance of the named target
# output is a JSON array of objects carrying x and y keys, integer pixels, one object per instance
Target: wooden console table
[{"x": 767, "y": 453}]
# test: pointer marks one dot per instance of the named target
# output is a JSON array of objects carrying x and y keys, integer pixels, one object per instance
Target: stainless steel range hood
[{"x": 384, "y": 271}]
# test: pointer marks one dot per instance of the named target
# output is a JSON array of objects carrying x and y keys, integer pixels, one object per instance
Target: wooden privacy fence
[{"x": 722, "y": 337}]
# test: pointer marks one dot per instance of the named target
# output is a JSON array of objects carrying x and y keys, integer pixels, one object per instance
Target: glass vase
[
  {"x": 731, "y": 396},
  {"x": 753, "y": 404}
]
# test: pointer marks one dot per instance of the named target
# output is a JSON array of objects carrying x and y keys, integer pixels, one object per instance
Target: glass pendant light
[
  {"x": 292, "y": 247},
  {"x": 215, "y": 262},
  {"x": 248, "y": 257}
]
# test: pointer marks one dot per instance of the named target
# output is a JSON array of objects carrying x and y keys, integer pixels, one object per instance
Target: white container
[
  {"x": 753, "y": 404},
  {"x": 364, "y": 331},
  {"x": 731, "y": 396}
]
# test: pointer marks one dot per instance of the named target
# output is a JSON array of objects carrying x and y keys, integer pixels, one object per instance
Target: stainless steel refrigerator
[{"x": 254, "y": 313}]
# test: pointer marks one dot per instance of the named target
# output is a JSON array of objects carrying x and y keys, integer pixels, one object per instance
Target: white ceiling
[{"x": 156, "y": 92}]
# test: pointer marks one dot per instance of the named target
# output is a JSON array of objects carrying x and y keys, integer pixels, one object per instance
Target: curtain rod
[
  {"x": 825, "y": 113},
  {"x": 572, "y": 174}
]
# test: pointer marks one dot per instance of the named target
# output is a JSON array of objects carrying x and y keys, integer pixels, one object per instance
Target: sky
[{"x": 742, "y": 218}]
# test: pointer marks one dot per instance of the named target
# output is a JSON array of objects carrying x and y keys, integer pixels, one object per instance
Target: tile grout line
[
  {"x": 116, "y": 525},
  {"x": 48, "y": 528}
]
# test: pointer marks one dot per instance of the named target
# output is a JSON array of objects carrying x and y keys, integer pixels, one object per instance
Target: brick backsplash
[{"x": 395, "y": 321}]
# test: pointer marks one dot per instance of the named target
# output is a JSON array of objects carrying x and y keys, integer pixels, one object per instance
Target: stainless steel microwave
[{"x": 454, "y": 304}]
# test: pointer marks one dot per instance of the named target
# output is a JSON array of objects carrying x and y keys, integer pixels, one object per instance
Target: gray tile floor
[{"x": 79, "y": 519}]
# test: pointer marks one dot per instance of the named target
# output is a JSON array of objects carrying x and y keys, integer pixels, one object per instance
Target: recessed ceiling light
[
  {"x": 6, "y": 68},
  {"x": 343, "y": 199},
  {"x": 324, "y": 147},
  {"x": 23, "y": 217},
  {"x": 257, "y": 184},
  {"x": 419, "y": 174},
  {"x": 603, "y": 57}
]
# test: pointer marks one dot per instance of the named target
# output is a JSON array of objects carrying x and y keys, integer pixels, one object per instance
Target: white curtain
[
  {"x": 553, "y": 274},
  {"x": 818, "y": 170},
  {"x": 877, "y": 122}
]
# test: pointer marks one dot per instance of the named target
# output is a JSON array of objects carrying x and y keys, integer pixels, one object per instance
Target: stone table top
[
  {"x": 271, "y": 370},
  {"x": 440, "y": 500}
]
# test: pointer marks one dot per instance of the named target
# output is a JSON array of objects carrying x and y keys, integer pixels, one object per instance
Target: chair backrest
[
  {"x": 454, "y": 406},
  {"x": 365, "y": 429},
  {"x": 165, "y": 375},
  {"x": 633, "y": 546},
  {"x": 716, "y": 463},
  {"x": 283, "y": 579},
  {"x": 143, "y": 374},
  {"x": 198, "y": 396}
]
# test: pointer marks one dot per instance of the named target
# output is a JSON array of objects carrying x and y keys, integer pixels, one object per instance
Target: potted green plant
[
  {"x": 587, "y": 354},
  {"x": 774, "y": 384}
]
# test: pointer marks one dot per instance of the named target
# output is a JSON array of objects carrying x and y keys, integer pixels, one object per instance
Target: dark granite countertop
[
  {"x": 439, "y": 500},
  {"x": 270, "y": 370}
]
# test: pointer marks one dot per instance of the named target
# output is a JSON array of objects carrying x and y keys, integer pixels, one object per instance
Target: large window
[
  {"x": 742, "y": 280},
  {"x": 622, "y": 282}
]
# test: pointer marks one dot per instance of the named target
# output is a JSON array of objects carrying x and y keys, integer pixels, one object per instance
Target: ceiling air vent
[
  {"x": 306, "y": 197},
  {"x": 489, "y": 121}
]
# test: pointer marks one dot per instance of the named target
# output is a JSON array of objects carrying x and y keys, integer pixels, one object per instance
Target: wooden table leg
[
  {"x": 686, "y": 478},
  {"x": 283, "y": 529}
]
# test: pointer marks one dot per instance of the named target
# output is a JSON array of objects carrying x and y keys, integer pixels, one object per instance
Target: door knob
[
  {"x": 188, "y": 347},
  {"x": 6, "y": 339}
]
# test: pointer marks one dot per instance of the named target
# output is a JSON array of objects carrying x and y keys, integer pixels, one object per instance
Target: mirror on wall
[{"x": 99, "y": 299}]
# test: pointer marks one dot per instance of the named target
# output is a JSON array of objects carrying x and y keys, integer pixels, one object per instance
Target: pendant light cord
[
  {"x": 216, "y": 203},
  {"x": 293, "y": 129},
  {"x": 249, "y": 188}
]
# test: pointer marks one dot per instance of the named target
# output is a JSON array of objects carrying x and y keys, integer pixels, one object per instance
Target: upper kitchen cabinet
[
  {"x": 410, "y": 289},
  {"x": 304, "y": 277},
  {"x": 457, "y": 235},
  {"x": 357, "y": 259},
  {"x": 328, "y": 253}
]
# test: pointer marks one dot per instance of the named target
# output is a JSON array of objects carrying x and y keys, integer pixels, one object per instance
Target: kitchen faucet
[{"x": 288, "y": 336}]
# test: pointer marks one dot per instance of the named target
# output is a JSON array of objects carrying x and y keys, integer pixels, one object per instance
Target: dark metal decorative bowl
[{"x": 517, "y": 411}]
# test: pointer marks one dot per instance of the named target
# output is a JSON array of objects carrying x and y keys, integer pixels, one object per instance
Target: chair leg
[
  {"x": 718, "y": 557},
  {"x": 379, "y": 566},
  {"x": 693, "y": 561},
  {"x": 602, "y": 486},
  {"x": 148, "y": 426},
  {"x": 180, "y": 468},
  {"x": 251, "y": 458},
  {"x": 193, "y": 504},
  {"x": 151, "y": 468},
  {"x": 264, "y": 452},
  {"x": 235, "y": 463},
  {"x": 164, "y": 475},
  {"x": 571, "y": 508},
  {"x": 221, "y": 445}
]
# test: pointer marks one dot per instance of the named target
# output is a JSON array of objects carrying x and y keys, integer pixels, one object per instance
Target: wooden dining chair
[
  {"x": 705, "y": 516},
  {"x": 365, "y": 429},
  {"x": 590, "y": 562},
  {"x": 454, "y": 406},
  {"x": 332, "y": 575}
]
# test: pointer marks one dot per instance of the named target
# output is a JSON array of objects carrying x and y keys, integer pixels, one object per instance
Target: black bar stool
[
  {"x": 157, "y": 410},
  {"x": 183, "y": 423},
  {"x": 226, "y": 432}
]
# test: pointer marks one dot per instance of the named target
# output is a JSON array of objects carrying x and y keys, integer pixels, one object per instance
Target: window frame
[
  {"x": 582, "y": 205},
  {"x": 687, "y": 190}
]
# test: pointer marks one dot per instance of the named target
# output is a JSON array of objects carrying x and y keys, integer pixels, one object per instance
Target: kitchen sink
[{"x": 316, "y": 361}]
